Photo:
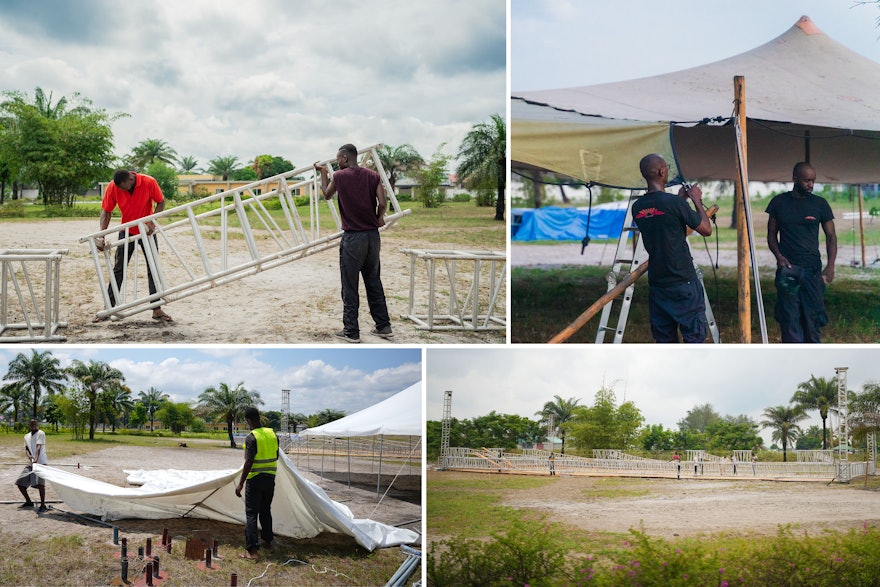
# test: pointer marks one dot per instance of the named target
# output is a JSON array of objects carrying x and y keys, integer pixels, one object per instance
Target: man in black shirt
[
  {"x": 793, "y": 238},
  {"x": 675, "y": 295}
]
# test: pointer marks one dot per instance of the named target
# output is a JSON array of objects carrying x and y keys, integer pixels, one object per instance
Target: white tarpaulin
[
  {"x": 807, "y": 98},
  {"x": 400, "y": 414},
  {"x": 300, "y": 508}
]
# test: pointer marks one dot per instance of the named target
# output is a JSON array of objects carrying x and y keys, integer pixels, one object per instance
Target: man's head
[
  {"x": 33, "y": 425},
  {"x": 347, "y": 156},
  {"x": 654, "y": 169},
  {"x": 804, "y": 176},
  {"x": 124, "y": 179},
  {"x": 252, "y": 416}
]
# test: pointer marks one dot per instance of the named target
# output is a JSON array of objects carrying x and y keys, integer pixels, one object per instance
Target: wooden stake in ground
[{"x": 743, "y": 255}]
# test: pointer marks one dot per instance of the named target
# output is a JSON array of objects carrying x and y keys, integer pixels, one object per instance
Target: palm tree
[
  {"x": 783, "y": 421},
  {"x": 559, "y": 412},
  {"x": 15, "y": 396},
  {"x": 399, "y": 160},
  {"x": 44, "y": 106},
  {"x": 483, "y": 156},
  {"x": 188, "y": 164},
  {"x": 38, "y": 372},
  {"x": 817, "y": 394},
  {"x": 326, "y": 416},
  {"x": 228, "y": 403},
  {"x": 149, "y": 151},
  {"x": 153, "y": 399},
  {"x": 119, "y": 401},
  {"x": 95, "y": 376},
  {"x": 223, "y": 166}
]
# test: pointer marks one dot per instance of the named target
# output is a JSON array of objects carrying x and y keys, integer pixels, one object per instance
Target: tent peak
[{"x": 808, "y": 26}]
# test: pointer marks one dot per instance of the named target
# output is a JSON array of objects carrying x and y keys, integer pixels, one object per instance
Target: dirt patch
[
  {"x": 668, "y": 508},
  {"x": 298, "y": 302}
]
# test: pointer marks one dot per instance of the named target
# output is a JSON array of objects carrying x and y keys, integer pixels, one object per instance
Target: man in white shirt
[{"x": 35, "y": 447}]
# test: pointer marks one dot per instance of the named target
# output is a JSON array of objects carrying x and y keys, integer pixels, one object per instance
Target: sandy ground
[
  {"x": 298, "y": 302},
  {"x": 109, "y": 465},
  {"x": 667, "y": 508}
]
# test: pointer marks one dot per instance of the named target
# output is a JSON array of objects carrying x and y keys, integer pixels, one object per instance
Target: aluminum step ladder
[{"x": 627, "y": 258}]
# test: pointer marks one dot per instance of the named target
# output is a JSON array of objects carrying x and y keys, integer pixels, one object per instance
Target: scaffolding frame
[
  {"x": 446, "y": 428},
  {"x": 845, "y": 474},
  {"x": 39, "y": 315},
  {"x": 192, "y": 265},
  {"x": 477, "y": 311}
]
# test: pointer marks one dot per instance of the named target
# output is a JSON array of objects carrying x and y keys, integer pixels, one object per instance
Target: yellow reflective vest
[{"x": 267, "y": 452}]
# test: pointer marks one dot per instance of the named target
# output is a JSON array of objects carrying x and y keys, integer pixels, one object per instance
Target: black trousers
[
  {"x": 121, "y": 263},
  {"x": 258, "y": 494},
  {"x": 359, "y": 255}
]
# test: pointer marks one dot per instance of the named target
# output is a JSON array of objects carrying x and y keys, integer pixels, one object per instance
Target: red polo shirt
[{"x": 135, "y": 205}]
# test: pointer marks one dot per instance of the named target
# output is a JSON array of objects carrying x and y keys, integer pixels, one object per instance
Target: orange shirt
[{"x": 135, "y": 205}]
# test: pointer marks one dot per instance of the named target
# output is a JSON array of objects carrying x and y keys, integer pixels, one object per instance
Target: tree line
[
  {"x": 65, "y": 147},
  {"x": 608, "y": 425},
  {"x": 85, "y": 395}
]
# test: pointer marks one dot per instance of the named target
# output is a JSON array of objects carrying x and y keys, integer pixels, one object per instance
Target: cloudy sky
[
  {"x": 342, "y": 379},
  {"x": 295, "y": 79},
  {"x": 565, "y": 43},
  {"x": 663, "y": 381}
]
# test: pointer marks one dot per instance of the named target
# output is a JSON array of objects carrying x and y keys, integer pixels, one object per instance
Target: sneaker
[
  {"x": 347, "y": 338},
  {"x": 26, "y": 505},
  {"x": 42, "y": 509},
  {"x": 382, "y": 332}
]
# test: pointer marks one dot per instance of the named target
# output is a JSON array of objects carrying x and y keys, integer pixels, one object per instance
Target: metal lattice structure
[
  {"x": 445, "y": 428},
  {"x": 482, "y": 288},
  {"x": 29, "y": 296},
  {"x": 225, "y": 237},
  {"x": 845, "y": 474}
]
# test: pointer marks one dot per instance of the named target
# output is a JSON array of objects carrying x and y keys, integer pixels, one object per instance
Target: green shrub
[
  {"x": 13, "y": 209},
  {"x": 461, "y": 198}
]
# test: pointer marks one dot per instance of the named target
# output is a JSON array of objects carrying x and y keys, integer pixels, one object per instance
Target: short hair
[
  {"x": 798, "y": 167},
  {"x": 349, "y": 149},
  {"x": 120, "y": 175},
  {"x": 648, "y": 164},
  {"x": 252, "y": 414}
]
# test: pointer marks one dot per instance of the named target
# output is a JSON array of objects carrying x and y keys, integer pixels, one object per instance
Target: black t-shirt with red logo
[
  {"x": 798, "y": 220},
  {"x": 662, "y": 219}
]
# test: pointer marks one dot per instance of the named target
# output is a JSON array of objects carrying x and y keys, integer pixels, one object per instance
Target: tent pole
[
  {"x": 744, "y": 296},
  {"x": 349, "y": 461},
  {"x": 862, "y": 225},
  {"x": 379, "y": 476}
]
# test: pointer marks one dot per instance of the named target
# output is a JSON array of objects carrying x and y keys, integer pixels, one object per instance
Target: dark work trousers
[
  {"x": 800, "y": 305},
  {"x": 258, "y": 494},
  {"x": 121, "y": 263},
  {"x": 359, "y": 255},
  {"x": 678, "y": 307}
]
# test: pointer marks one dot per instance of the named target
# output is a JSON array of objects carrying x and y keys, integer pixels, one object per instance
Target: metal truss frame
[{"x": 37, "y": 308}]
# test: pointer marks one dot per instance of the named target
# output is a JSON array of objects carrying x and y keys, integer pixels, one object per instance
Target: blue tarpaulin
[{"x": 553, "y": 223}]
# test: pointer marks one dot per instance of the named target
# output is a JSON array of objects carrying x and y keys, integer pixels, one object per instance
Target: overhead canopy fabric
[
  {"x": 400, "y": 414},
  {"x": 300, "y": 508},
  {"x": 807, "y": 98}
]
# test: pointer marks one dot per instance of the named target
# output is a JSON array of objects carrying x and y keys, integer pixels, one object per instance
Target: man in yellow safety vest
[{"x": 258, "y": 479}]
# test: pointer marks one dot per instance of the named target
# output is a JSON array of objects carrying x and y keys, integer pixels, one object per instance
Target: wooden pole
[
  {"x": 743, "y": 256},
  {"x": 612, "y": 293},
  {"x": 862, "y": 225}
]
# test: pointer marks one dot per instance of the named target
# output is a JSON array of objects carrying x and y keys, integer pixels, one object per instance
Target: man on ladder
[{"x": 676, "y": 300}]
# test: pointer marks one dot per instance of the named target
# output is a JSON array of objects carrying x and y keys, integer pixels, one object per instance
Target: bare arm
[
  {"x": 381, "y": 204},
  {"x": 696, "y": 196},
  {"x": 773, "y": 242},
  {"x": 328, "y": 186},
  {"x": 248, "y": 463},
  {"x": 830, "y": 249}
]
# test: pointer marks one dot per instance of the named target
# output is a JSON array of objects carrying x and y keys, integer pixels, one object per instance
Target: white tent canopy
[
  {"x": 400, "y": 414},
  {"x": 807, "y": 98},
  {"x": 300, "y": 508}
]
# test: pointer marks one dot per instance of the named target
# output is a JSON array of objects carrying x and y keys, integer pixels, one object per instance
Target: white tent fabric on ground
[
  {"x": 400, "y": 414},
  {"x": 300, "y": 508},
  {"x": 807, "y": 97}
]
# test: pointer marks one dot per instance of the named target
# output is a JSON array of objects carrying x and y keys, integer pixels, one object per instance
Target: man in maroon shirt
[
  {"x": 134, "y": 194},
  {"x": 362, "y": 206}
]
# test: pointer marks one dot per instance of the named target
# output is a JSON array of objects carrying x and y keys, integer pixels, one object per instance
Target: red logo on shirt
[
  {"x": 809, "y": 218},
  {"x": 649, "y": 213}
]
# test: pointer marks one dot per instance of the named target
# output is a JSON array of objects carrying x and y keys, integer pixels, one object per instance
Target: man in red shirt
[
  {"x": 362, "y": 206},
  {"x": 134, "y": 194}
]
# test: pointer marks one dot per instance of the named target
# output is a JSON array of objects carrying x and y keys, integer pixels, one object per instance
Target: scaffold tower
[
  {"x": 285, "y": 413},
  {"x": 445, "y": 428},
  {"x": 842, "y": 428}
]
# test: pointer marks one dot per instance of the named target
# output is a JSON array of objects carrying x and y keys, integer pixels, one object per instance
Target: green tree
[
  {"x": 270, "y": 166},
  {"x": 819, "y": 394},
  {"x": 431, "y": 177},
  {"x": 605, "y": 424},
  {"x": 153, "y": 399},
  {"x": 483, "y": 158},
  {"x": 864, "y": 408},
  {"x": 74, "y": 404},
  {"x": 95, "y": 376},
  {"x": 699, "y": 418},
  {"x": 139, "y": 415},
  {"x": 16, "y": 397},
  {"x": 325, "y": 416},
  {"x": 557, "y": 415},
  {"x": 733, "y": 433},
  {"x": 229, "y": 403},
  {"x": 52, "y": 411},
  {"x": 150, "y": 151},
  {"x": 62, "y": 150},
  {"x": 166, "y": 177},
  {"x": 810, "y": 440},
  {"x": 403, "y": 159},
  {"x": 37, "y": 372},
  {"x": 783, "y": 421},
  {"x": 177, "y": 416},
  {"x": 654, "y": 437},
  {"x": 223, "y": 166},
  {"x": 244, "y": 174},
  {"x": 119, "y": 401},
  {"x": 188, "y": 164}
]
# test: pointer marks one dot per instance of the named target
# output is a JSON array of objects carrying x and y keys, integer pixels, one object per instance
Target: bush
[
  {"x": 13, "y": 209},
  {"x": 461, "y": 198}
]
